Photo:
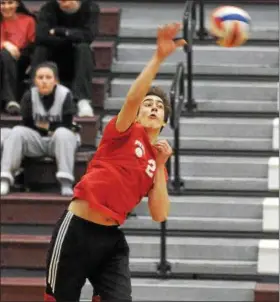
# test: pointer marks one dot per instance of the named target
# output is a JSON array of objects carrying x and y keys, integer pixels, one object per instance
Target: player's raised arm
[{"x": 165, "y": 46}]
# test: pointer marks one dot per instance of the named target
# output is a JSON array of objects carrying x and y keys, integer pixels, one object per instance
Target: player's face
[
  {"x": 8, "y": 8},
  {"x": 45, "y": 80},
  {"x": 151, "y": 112}
]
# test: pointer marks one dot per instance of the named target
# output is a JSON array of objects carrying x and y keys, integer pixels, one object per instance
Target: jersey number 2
[{"x": 151, "y": 167}]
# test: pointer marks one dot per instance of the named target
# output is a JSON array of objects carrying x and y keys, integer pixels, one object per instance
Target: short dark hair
[
  {"x": 157, "y": 91},
  {"x": 48, "y": 64}
]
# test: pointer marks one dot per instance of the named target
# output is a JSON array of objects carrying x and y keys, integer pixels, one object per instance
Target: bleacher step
[
  {"x": 219, "y": 127},
  {"x": 200, "y": 224},
  {"x": 209, "y": 90},
  {"x": 229, "y": 70},
  {"x": 138, "y": 20},
  {"x": 213, "y": 106},
  {"x": 219, "y": 133},
  {"x": 29, "y": 251},
  {"x": 32, "y": 289},
  {"x": 205, "y": 55}
]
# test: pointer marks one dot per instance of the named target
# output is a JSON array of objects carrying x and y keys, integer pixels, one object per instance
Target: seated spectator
[
  {"x": 4, "y": 135},
  {"x": 47, "y": 112},
  {"x": 17, "y": 37},
  {"x": 64, "y": 33}
]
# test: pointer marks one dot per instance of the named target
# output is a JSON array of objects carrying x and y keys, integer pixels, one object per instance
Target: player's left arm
[{"x": 158, "y": 198}]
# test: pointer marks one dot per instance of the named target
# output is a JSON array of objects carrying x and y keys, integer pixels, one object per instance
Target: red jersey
[
  {"x": 121, "y": 172},
  {"x": 19, "y": 31}
]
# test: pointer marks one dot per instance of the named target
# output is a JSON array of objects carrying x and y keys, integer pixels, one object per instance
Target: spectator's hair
[
  {"x": 47, "y": 64},
  {"x": 22, "y": 9},
  {"x": 157, "y": 91}
]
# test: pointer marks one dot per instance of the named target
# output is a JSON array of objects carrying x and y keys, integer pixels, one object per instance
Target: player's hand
[
  {"x": 165, "y": 43},
  {"x": 164, "y": 152}
]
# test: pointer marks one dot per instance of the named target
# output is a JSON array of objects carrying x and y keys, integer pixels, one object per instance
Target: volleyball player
[{"x": 128, "y": 165}]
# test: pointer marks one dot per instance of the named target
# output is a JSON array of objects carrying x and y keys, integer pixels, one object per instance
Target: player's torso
[{"x": 134, "y": 159}]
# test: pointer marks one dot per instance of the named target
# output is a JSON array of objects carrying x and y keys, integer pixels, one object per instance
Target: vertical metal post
[
  {"x": 202, "y": 32},
  {"x": 164, "y": 267}
]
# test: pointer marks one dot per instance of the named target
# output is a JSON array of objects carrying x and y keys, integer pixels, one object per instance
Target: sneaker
[
  {"x": 5, "y": 187},
  {"x": 13, "y": 108},
  {"x": 85, "y": 109}
]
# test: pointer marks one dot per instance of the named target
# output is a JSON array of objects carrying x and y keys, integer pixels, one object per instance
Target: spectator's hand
[
  {"x": 12, "y": 49},
  {"x": 165, "y": 40},
  {"x": 43, "y": 125},
  {"x": 164, "y": 152}
]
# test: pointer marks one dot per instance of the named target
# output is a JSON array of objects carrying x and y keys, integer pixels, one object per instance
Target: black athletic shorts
[{"x": 81, "y": 250}]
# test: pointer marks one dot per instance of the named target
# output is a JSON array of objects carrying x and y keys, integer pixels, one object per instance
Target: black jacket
[{"x": 79, "y": 27}]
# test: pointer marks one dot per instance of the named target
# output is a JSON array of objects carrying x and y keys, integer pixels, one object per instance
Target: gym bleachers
[{"x": 222, "y": 233}]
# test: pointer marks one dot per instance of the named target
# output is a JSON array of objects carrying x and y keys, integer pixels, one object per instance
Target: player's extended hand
[
  {"x": 164, "y": 152},
  {"x": 165, "y": 43}
]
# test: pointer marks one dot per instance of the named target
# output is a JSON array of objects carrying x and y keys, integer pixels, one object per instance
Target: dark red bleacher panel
[
  {"x": 266, "y": 292},
  {"x": 24, "y": 251},
  {"x": 22, "y": 289},
  {"x": 89, "y": 130},
  {"x": 42, "y": 170},
  {"x": 32, "y": 208}
]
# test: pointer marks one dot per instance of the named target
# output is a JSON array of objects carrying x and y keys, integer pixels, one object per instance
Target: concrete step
[
  {"x": 132, "y": 30},
  {"x": 195, "y": 248},
  {"x": 29, "y": 251},
  {"x": 215, "y": 128},
  {"x": 221, "y": 143},
  {"x": 196, "y": 266},
  {"x": 209, "y": 105},
  {"x": 128, "y": 67},
  {"x": 32, "y": 289},
  {"x": 35, "y": 209},
  {"x": 193, "y": 172},
  {"x": 210, "y": 207},
  {"x": 225, "y": 184},
  {"x": 139, "y": 20},
  {"x": 192, "y": 290},
  {"x": 178, "y": 266},
  {"x": 210, "y": 90},
  {"x": 205, "y": 55},
  {"x": 222, "y": 166},
  {"x": 197, "y": 224}
]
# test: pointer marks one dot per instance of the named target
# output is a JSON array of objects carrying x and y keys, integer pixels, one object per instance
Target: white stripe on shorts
[{"x": 52, "y": 272}]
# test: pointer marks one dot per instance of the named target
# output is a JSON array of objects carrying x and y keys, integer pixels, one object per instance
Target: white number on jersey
[{"x": 151, "y": 167}]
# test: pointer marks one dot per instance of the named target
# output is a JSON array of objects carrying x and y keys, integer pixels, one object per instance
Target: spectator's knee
[
  {"x": 18, "y": 131},
  {"x": 82, "y": 47},
  {"x": 41, "y": 48},
  {"x": 63, "y": 134},
  {"x": 6, "y": 56}
]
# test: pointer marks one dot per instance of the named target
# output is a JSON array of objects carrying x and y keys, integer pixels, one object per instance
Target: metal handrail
[
  {"x": 178, "y": 104},
  {"x": 189, "y": 26},
  {"x": 177, "y": 99}
]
